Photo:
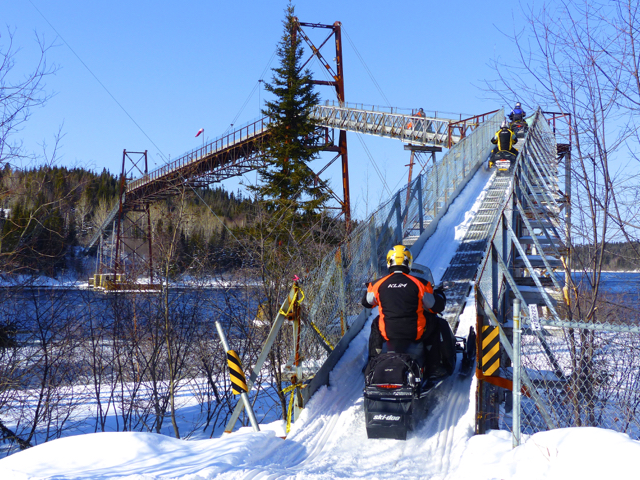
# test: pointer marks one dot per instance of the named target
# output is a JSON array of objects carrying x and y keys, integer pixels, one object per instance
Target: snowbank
[{"x": 566, "y": 453}]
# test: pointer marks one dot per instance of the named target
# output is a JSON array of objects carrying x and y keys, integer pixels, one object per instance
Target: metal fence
[
  {"x": 334, "y": 291},
  {"x": 566, "y": 372},
  {"x": 594, "y": 379}
]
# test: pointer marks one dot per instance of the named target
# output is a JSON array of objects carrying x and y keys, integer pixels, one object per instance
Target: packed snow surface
[{"x": 329, "y": 440}]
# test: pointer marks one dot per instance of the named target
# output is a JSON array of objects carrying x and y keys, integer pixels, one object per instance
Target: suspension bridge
[{"x": 240, "y": 151}]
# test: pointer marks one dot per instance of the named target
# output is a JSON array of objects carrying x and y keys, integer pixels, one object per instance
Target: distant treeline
[
  {"x": 620, "y": 256},
  {"x": 45, "y": 212}
]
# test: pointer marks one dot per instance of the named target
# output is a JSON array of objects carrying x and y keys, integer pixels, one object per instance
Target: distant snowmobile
[
  {"x": 520, "y": 128},
  {"x": 502, "y": 160},
  {"x": 396, "y": 387}
]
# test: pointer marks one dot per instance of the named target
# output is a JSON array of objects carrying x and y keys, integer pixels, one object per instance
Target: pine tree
[{"x": 288, "y": 183}]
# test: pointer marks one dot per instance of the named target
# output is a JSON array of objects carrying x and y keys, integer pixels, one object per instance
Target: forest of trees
[
  {"x": 46, "y": 212},
  {"x": 617, "y": 256}
]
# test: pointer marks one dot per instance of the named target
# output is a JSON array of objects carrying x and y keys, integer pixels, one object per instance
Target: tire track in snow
[
  {"x": 429, "y": 452},
  {"x": 455, "y": 401},
  {"x": 338, "y": 408},
  {"x": 310, "y": 438}
]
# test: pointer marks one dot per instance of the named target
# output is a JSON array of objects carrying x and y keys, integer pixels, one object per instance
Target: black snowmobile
[
  {"x": 520, "y": 128},
  {"x": 396, "y": 385},
  {"x": 502, "y": 160}
]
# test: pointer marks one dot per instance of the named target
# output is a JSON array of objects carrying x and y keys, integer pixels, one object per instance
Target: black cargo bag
[{"x": 390, "y": 369}]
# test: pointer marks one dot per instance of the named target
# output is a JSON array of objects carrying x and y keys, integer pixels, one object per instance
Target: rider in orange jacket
[{"x": 408, "y": 320}]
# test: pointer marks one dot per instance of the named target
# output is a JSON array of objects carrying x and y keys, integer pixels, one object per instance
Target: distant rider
[
  {"x": 408, "y": 320},
  {"x": 517, "y": 114},
  {"x": 504, "y": 139},
  {"x": 419, "y": 123}
]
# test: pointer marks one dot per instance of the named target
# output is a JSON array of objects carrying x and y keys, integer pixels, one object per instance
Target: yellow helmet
[{"x": 399, "y": 255}]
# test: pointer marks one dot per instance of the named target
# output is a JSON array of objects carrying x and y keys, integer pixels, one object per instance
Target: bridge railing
[
  {"x": 400, "y": 123},
  {"x": 396, "y": 110},
  {"x": 334, "y": 291},
  {"x": 250, "y": 130}
]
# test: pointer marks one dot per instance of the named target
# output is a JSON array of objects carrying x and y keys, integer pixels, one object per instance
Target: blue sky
[{"x": 177, "y": 67}]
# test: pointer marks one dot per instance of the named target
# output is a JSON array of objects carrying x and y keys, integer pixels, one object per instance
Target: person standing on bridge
[
  {"x": 419, "y": 123},
  {"x": 408, "y": 319},
  {"x": 504, "y": 139}
]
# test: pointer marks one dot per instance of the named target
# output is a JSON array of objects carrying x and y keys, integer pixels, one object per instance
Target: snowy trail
[{"x": 329, "y": 440}]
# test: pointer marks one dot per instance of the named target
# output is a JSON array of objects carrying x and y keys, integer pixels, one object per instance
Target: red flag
[{"x": 200, "y": 131}]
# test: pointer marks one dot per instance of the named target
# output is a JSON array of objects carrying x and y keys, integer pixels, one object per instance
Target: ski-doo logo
[
  {"x": 397, "y": 285},
  {"x": 393, "y": 418}
]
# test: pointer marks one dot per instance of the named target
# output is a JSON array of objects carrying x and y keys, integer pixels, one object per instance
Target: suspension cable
[
  {"x": 255, "y": 87},
  {"x": 101, "y": 84},
  {"x": 366, "y": 67}
]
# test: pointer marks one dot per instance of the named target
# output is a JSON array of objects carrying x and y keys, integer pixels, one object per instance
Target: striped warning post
[
  {"x": 238, "y": 382},
  {"x": 490, "y": 349}
]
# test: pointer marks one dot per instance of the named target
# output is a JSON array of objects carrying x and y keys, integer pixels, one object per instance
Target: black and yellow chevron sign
[
  {"x": 238, "y": 382},
  {"x": 490, "y": 349}
]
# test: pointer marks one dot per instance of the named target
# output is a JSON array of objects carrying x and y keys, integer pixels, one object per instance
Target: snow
[
  {"x": 439, "y": 249},
  {"x": 565, "y": 453},
  {"x": 329, "y": 440}
]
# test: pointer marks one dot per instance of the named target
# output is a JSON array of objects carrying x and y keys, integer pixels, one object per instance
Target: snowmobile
[
  {"x": 503, "y": 160},
  {"x": 396, "y": 387},
  {"x": 519, "y": 127}
]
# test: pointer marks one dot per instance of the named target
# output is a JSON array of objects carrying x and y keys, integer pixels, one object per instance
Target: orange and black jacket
[{"x": 402, "y": 300}]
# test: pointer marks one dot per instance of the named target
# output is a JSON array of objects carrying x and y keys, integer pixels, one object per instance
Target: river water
[
  {"x": 614, "y": 283},
  {"x": 621, "y": 282},
  {"x": 25, "y": 308},
  {"x": 208, "y": 304}
]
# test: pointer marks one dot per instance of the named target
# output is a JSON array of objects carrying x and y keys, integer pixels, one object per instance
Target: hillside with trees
[
  {"x": 46, "y": 212},
  {"x": 613, "y": 256}
]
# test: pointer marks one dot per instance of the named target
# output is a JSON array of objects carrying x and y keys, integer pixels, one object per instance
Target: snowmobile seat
[{"x": 414, "y": 349}]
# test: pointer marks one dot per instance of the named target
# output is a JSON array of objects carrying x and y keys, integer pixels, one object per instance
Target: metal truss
[
  {"x": 412, "y": 129},
  {"x": 133, "y": 245},
  {"x": 235, "y": 152},
  {"x": 522, "y": 261}
]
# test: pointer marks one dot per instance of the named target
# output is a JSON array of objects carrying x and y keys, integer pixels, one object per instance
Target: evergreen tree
[{"x": 288, "y": 182}]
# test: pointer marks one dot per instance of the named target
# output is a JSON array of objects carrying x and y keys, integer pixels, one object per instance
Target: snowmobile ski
[{"x": 467, "y": 346}]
